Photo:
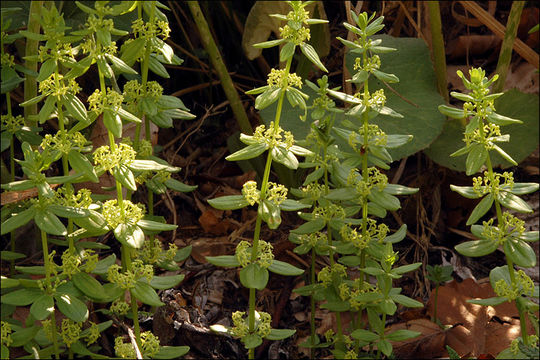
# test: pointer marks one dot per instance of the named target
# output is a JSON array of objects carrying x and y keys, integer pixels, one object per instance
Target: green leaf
[
  {"x": 251, "y": 341},
  {"x": 120, "y": 65},
  {"x": 389, "y": 78},
  {"x": 283, "y": 268},
  {"x": 131, "y": 235},
  {"x": 466, "y": 191},
  {"x": 524, "y": 188},
  {"x": 523, "y": 138},
  {"x": 504, "y": 154},
  {"x": 75, "y": 107},
  {"x": 365, "y": 335},
  {"x": 6, "y": 283},
  {"x": 157, "y": 67},
  {"x": 46, "y": 70},
  {"x": 7, "y": 255},
  {"x": 477, "y": 248},
  {"x": 47, "y": 109},
  {"x": 521, "y": 253},
  {"x": 176, "y": 185},
  {"x": 502, "y": 120},
  {"x": 406, "y": 301},
  {"x": 401, "y": 335},
  {"x": 293, "y": 205},
  {"x": 396, "y": 189},
  {"x": 72, "y": 307},
  {"x": 287, "y": 51},
  {"x": 230, "y": 202},
  {"x": 155, "y": 226},
  {"x": 254, "y": 276},
  {"x": 341, "y": 194},
  {"x": 385, "y": 347},
  {"x": 268, "y": 44},
  {"x": 406, "y": 268},
  {"x": 493, "y": 301},
  {"x": 166, "y": 282},
  {"x": 223, "y": 260},
  {"x": 88, "y": 285},
  {"x": 310, "y": 227},
  {"x": 17, "y": 220},
  {"x": 112, "y": 122},
  {"x": 24, "y": 336},
  {"x": 270, "y": 213},
  {"x": 267, "y": 98},
  {"x": 476, "y": 158},
  {"x": 81, "y": 164},
  {"x": 398, "y": 235},
  {"x": 248, "y": 152},
  {"x": 123, "y": 174},
  {"x": 481, "y": 209},
  {"x": 312, "y": 55},
  {"x": 171, "y": 352},
  {"x": 452, "y": 112},
  {"x": 145, "y": 293},
  {"x": 49, "y": 223},
  {"x": 387, "y": 201},
  {"x": 133, "y": 50},
  {"x": 151, "y": 165},
  {"x": 513, "y": 202},
  {"x": 350, "y": 261},
  {"x": 42, "y": 307},
  {"x": 280, "y": 334},
  {"x": 284, "y": 156}
]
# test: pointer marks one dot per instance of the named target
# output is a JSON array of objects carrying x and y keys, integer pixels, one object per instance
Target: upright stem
[
  {"x": 439, "y": 56},
  {"x": 312, "y": 305},
  {"x": 507, "y": 44},
  {"x": 126, "y": 260},
  {"x": 47, "y": 265},
  {"x": 30, "y": 83}
]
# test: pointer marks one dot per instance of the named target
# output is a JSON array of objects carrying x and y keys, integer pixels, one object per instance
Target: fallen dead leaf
[{"x": 429, "y": 345}]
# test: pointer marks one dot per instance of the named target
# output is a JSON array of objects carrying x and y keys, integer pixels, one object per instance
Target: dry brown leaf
[
  {"x": 428, "y": 345},
  {"x": 203, "y": 247}
]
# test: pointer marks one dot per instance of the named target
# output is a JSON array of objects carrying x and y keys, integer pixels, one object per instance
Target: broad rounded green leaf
[
  {"x": 477, "y": 248},
  {"x": 293, "y": 205},
  {"x": 524, "y": 188},
  {"x": 6, "y": 283},
  {"x": 171, "y": 352},
  {"x": 145, "y": 293},
  {"x": 42, "y": 307},
  {"x": 254, "y": 276},
  {"x": 88, "y": 285},
  {"x": 385, "y": 200},
  {"x": 49, "y": 223},
  {"x": 511, "y": 201},
  {"x": 131, "y": 235},
  {"x": 81, "y": 164},
  {"x": 280, "y": 334},
  {"x": 310, "y": 227},
  {"x": 284, "y": 156},
  {"x": 398, "y": 235},
  {"x": 267, "y": 98},
  {"x": 248, "y": 152},
  {"x": 481, "y": 209},
  {"x": 251, "y": 341},
  {"x": 406, "y": 301},
  {"x": 287, "y": 51},
  {"x": 223, "y": 260},
  {"x": 24, "y": 336},
  {"x": 75, "y": 107},
  {"x": 283, "y": 268},
  {"x": 123, "y": 174},
  {"x": 17, "y": 220},
  {"x": 406, "y": 268},
  {"x": 166, "y": 282},
  {"x": 230, "y": 202},
  {"x": 21, "y": 297},
  {"x": 476, "y": 158},
  {"x": 521, "y": 253},
  {"x": 364, "y": 335},
  {"x": 112, "y": 122},
  {"x": 72, "y": 307}
]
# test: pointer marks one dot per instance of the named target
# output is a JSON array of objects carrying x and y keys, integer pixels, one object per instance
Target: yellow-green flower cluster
[
  {"x": 152, "y": 29},
  {"x": 159, "y": 176},
  {"x": 250, "y": 192},
  {"x": 509, "y": 227},
  {"x": 131, "y": 214},
  {"x": 314, "y": 191},
  {"x": 60, "y": 52},
  {"x": 123, "y": 350},
  {"x": 282, "y": 79},
  {"x": 375, "y": 136},
  {"x": 128, "y": 279},
  {"x": 63, "y": 141},
  {"x": 359, "y": 288},
  {"x": 523, "y": 285},
  {"x": 328, "y": 272},
  {"x": 482, "y": 105},
  {"x": 297, "y": 34},
  {"x": 134, "y": 92},
  {"x": 484, "y": 185},
  {"x": 72, "y": 261},
  {"x": 150, "y": 344},
  {"x": 119, "y": 307},
  {"x": 50, "y": 86},
  {"x": 372, "y": 63},
  {"x": 7, "y": 60},
  {"x": 152, "y": 251},
  {"x": 95, "y": 23},
  {"x": 145, "y": 148},
  {"x": 123, "y": 154},
  {"x": 276, "y": 193},
  {"x": 363, "y": 188},
  {"x": 11, "y": 123},
  {"x": 264, "y": 323},
  {"x": 110, "y": 99},
  {"x": 65, "y": 195},
  {"x": 71, "y": 331},
  {"x": 314, "y": 239},
  {"x": 89, "y": 46},
  {"x": 240, "y": 328},
  {"x": 265, "y": 256},
  {"x": 6, "y": 333},
  {"x": 48, "y": 328},
  {"x": 93, "y": 333},
  {"x": 484, "y": 136},
  {"x": 329, "y": 212},
  {"x": 272, "y": 136},
  {"x": 351, "y": 354}
]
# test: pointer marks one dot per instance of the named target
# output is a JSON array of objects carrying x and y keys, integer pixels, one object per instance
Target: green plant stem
[
  {"x": 436, "y": 303},
  {"x": 437, "y": 41},
  {"x": 11, "y": 179},
  {"x": 47, "y": 264},
  {"x": 506, "y": 48},
  {"x": 510, "y": 264},
  {"x": 217, "y": 61},
  {"x": 30, "y": 83},
  {"x": 126, "y": 261},
  {"x": 312, "y": 305}
]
